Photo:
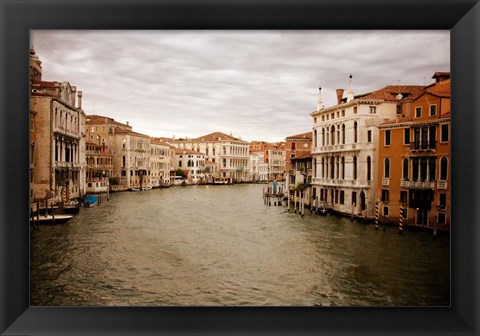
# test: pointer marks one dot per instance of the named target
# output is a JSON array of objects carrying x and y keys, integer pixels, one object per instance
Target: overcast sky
[{"x": 257, "y": 85}]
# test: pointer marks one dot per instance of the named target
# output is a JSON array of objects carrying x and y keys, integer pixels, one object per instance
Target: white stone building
[
  {"x": 345, "y": 142},
  {"x": 276, "y": 164},
  {"x": 229, "y": 153},
  {"x": 193, "y": 163},
  {"x": 257, "y": 168}
]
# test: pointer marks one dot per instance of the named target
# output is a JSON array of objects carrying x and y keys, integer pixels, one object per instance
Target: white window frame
[{"x": 418, "y": 108}]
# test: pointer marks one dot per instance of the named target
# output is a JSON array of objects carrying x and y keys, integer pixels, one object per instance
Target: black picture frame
[{"x": 18, "y": 17}]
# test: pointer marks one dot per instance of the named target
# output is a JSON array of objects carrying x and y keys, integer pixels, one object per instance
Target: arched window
[
  {"x": 355, "y": 125},
  {"x": 332, "y": 134},
  {"x": 332, "y": 167},
  {"x": 323, "y": 168},
  {"x": 315, "y": 138},
  {"x": 354, "y": 167},
  {"x": 369, "y": 169},
  {"x": 443, "y": 168},
  {"x": 343, "y": 166},
  {"x": 343, "y": 134},
  {"x": 323, "y": 136},
  {"x": 338, "y": 166},
  {"x": 432, "y": 167},
  {"x": 405, "y": 169},
  {"x": 386, "y": 171}
]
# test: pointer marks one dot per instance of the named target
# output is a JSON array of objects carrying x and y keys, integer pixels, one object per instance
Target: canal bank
[{"x": 215, "y": 246}]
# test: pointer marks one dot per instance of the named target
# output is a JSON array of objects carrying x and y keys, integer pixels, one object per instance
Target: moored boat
[
  {"x": 90, "y": 201},
  {"x": 51, "y": 219},
  {"x": 71, "y": 207}
]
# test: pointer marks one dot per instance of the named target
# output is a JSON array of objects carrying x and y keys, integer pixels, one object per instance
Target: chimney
[
  {"x": 350, "y": 95},
  {"x": 128, "y": 124},
  {"x": 74, "y": 94},
  {"x": 319, "y": 100},
  {"x": 80, "y": 93},
  {"x": 339, "y": 96}
]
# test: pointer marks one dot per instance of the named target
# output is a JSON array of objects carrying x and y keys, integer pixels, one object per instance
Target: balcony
[
  {"x": 62, "y": 164},
  {"x": 442, "y": 184},
  {"x": 423, "y": 145},
  {"x": 418, "y": 184}
]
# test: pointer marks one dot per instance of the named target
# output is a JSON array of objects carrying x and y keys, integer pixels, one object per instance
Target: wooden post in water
[
  {"x": 295, "y": 201},
  {"x": 288, "y": 200},
  {"x": 400, "y": 222},
  {"x": 303, "y": 203},
  {"x": 38, "y": 211},
  {"x": 376, "y": 215},
  {"x": 53, "y": 211}
]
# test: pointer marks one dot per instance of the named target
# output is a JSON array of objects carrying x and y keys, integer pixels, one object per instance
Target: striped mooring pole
[
  {"x": 402, "y": 217},
  {"x": 376, "y": 215}
]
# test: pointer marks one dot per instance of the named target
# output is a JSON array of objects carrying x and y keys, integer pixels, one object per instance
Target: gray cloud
[{"x": 260, "y": 85}]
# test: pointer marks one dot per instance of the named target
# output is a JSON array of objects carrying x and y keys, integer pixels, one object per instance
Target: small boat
[
  {"x": 90, "y": 201},
  {"x": 222, "y": 180},
  {"x": 147, "y": 188},
  {"x": 136, "y": 189},
  {"x": 72, "y": 207},
  {"x": 51, "y": 219}
]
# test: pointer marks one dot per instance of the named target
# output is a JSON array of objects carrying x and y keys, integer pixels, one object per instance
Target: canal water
[{"x": 221, "y": 245}]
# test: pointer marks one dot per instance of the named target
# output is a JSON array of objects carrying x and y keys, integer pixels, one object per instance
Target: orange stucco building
[{"x": 414, "y": 160}]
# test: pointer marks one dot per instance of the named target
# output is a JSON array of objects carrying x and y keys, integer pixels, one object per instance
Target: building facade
[
  {"x": 193, "y": 164},
  {"x": 160, "y": 163},
  {"x": 257, "y": 168},
  {"x": 414, "y": 160},
  {"x": 345, "y": 142},
  {"x": 296, "y": 145},
  {"x": 99, "y": 160},
  {"x": 132, "y": 159},
  {"x": 58, "y": 150},
  {"x": 230, "y": 154}
]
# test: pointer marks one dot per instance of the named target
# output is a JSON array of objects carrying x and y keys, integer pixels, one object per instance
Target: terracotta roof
[
  {"x": 301, "y": 155},
  {"x": 441, "y": 89},
  {"x": 97, "y": 119},
  {"x": 124, "y": 131},
  {"x": 163, "y": 139},
  {"x": 181, "y": 151},
  {"x": 45, "y": 84},
  {"x": 390, "y": 92},
  {"x": 158, "y": 142},
  {"x": 307, "y": 135},
  {"x": 216, "y": 136}
]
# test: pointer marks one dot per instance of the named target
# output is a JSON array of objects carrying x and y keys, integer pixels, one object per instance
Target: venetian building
[
  {"x": 229, "y": 153},
  {"x": 414, "y": 159},
  {"x": 258, "y": 169},
  {"x": 160, "y": 163},
  {"x": 58, "y": 150},
  {"x": 131, "y": 159},
  {"x": 193, "y": 163},
  {"x": 273, "y": 158},
  {"x": 99, "y": 167},
  {"x": 297, "y": 145},
  {"x": 345, "y": 143}
]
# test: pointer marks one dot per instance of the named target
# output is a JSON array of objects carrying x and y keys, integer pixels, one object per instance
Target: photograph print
[{"x": 240, "y": 168}]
